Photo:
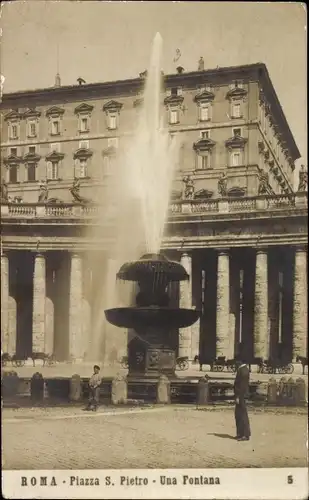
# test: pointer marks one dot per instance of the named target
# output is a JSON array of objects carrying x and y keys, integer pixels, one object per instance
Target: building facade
[{"x": 234, "y": 222}]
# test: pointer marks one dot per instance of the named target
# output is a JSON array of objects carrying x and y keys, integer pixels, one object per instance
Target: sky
[{"x": 105, "y": 41}]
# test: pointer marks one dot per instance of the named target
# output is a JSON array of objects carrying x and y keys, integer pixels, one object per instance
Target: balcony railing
[{"x": 177, "y": 208}]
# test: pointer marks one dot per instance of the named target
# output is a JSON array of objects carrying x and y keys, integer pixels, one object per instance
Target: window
[
  {"x": 14, "y": 131},
  {"x": 84, "y": 145},
  {"x": 13, "y": 173},
  {"x": 31, "y": 172},
  {"x": 84, "y": 124},
  {"x": 237, "y": 132},
  {"x": 55, "y": 147},
  {"x": 174, "y": 91},
  {"x": 236, "y": 110},
  {"x": 173, "y": 116},
  {"x": 31, "y": 129},
  {"x": 55, "y": 127},
  {"x": 13, "y": 151},
  {"x": 205, "y": 134},
  {"x": 204, "y": 113},
  {"x": 82, "y": 168},
  {"x": 107, "y": 164},
  {"x": 32, "y": 150},
  {"x": 236, "y": 159},
  {"x": 112, "y": 121},
  {"x": 204, "y": 161},
  {"x": 112, "y": 142},
  {"x": 52, "y": 170}
]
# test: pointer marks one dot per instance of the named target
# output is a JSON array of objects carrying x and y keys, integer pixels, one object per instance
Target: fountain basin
[
  {"x": 150, "y": 266},
  {"x": 151, "y": 317}
]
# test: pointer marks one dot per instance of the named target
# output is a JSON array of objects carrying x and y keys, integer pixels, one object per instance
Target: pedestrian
[
  {"x": 94, "y": 389},
  {"x": 241, "y": 391}
]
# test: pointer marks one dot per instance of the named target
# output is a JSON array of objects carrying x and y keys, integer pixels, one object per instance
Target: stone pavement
[{"x": 153, "y": 437}]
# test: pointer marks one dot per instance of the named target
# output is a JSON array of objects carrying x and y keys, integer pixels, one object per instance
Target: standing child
[{"x": 94, "y": 389}]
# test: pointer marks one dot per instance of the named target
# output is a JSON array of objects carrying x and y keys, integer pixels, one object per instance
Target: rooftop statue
[
  {"x": 263, "y": 182},
  {"x": 188, "y": 190},
  {"x": 4, "y": 195},
  {"x": 43, "y": 194},
  {"x": 222, "y": 185},
  {"x": 201, "y": 64},
  {"x": 75, "y": 192},
  {"x": 302, "y": 179}
]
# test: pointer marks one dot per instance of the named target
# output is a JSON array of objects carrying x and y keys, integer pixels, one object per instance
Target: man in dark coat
[{"x": 241, "y": 391}]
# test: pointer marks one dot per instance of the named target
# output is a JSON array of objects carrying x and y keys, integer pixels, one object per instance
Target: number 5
[{"x": 290, "y": 479}]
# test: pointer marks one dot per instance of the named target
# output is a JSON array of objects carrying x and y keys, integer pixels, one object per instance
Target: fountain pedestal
[{"x": 150, "y": 353}]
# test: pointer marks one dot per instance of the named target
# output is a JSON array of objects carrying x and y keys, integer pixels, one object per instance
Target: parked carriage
[
  {"x": 19, "y": 360},
  {"x": 273, "y": 366},
  {"x": 217, "y": 365}
]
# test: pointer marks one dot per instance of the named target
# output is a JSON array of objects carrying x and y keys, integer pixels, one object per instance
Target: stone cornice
[
  {"x": 110, "y": 151},
  {"x": 204, "y": 96},
  {"x": 32, "y": 113},
  {"x": 83, "y": 109},
  {"x": 31, "y": 158},
  {"x": 112, "y": 106},
  {"x": 235, "y": 142},
  {"x": 173, "y": 100},
  {"x": 12, "y": 160},
  {"x": 204, "y": 145},
  {"x": 236, "y": 93},
  {"x": 236, "y": 192},
  {"x": 55, "y": 111},
  {"x": 13, "y": 115},
  {"x": 82, "y": 154},
  {"x": 54, "y": 156}
]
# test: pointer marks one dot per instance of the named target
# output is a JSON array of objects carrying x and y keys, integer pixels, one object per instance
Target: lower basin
[{"x": 163, "y": 317}]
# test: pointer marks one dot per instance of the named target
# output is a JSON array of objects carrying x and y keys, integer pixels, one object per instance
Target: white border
[{"x": 246, "y": 484}]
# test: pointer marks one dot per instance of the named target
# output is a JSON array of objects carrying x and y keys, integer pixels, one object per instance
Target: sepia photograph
[{"x": 154, "y": 239}]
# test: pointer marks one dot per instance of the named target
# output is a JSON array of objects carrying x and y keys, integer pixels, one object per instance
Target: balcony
[{"x": 241, "y": 206}]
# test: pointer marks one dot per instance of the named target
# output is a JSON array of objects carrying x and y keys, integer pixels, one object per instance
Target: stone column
[
  {"x": 261, "y": 336},
  {"x": 49, "y": 333},
  {"x": 4, "y": 302},
  {"x": 223, "y": 305},
  {"x": 185, "y": 300},
  {"x": 300, "y": 311},
  {"x": 197, "y": 303},
  {"x": 38, "y": 306},
  {"x": 76, "y": 353}
]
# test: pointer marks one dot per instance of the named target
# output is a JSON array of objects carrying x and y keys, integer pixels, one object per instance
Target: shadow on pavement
[{"x": 224, "y": 436}]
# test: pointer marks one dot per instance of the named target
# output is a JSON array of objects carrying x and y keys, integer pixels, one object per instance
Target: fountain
[
  {"x": 151, "y": 157},
  {"x": 153, "y": 319}
]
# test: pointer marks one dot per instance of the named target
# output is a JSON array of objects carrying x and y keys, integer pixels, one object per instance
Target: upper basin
[
  {"x": 152, "y": 267},
  {"x": 156, "y": 317}
]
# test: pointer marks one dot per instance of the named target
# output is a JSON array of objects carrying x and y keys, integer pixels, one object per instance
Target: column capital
[
  {"x": 262, "y": 250},
  {"x": 39, "y": 255},
  {"x": 301, "y": 248},
  {"x": 75, "y": 255},
  {"x": 223, "y": 251}
]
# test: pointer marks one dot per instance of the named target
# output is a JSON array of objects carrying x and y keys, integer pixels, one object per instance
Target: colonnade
[{"x": 43, "y": 320}]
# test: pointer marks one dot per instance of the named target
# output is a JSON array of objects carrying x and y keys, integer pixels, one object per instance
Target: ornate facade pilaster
[
  {"x": 76, "y": 351},
  {"x": 223, "y": 305},
  {"x": 185, "y": 300},
  {"x": 261, "y": 326},
  {"x": 4, "y": 302},
  {"x": 39, "y": 303},
  {"x": 300, "y": 311}
]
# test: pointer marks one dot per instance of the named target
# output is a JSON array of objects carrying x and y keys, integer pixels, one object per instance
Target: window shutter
[
  {"x": 76, "y": 169},
  {"x": 49, "y": 170}
]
